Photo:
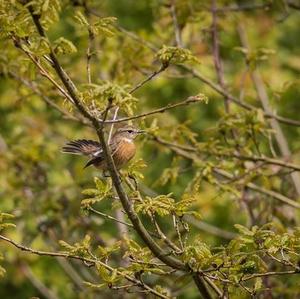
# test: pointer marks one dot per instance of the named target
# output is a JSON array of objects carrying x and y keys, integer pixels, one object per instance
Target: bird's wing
[{"x": 83, "y": 147}]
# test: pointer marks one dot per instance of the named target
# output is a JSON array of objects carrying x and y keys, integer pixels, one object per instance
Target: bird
[{"x": 122, "y": 148}]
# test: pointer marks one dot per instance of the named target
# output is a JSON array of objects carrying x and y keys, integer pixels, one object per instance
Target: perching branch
[{"x": 126, "y": 203}]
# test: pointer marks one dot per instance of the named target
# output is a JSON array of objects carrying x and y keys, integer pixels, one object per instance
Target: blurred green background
[{"x": 42, "y": 187}]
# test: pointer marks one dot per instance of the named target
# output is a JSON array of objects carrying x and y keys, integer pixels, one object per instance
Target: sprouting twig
[
  {"x": 189, "y": 100},
  {"x": 109, "y": 217},
  {"x": 149, "y": 78}
]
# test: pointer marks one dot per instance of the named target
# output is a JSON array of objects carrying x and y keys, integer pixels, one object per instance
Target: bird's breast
[{"x": 124, "y": 152}]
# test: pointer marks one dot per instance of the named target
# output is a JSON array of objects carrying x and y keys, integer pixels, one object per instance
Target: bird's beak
[{"x": 141, "y": 132}]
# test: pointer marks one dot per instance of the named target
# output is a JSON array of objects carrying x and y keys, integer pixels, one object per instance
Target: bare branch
[
  {"x": 175, "y": 24},
  {"x": 189, "y": 100},
  {"x": 149, "y": 78}
]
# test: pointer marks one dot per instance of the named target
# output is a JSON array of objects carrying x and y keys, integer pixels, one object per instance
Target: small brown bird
[{"x": 122, "y": 148}]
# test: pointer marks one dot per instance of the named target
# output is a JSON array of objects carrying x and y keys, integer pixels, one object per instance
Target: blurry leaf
[
  {"x": 64, "y": 46},
  {"x": 168, "y": 55}
]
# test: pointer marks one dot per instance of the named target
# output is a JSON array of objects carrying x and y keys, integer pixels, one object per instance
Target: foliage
[{"x": 212, "y": 198}]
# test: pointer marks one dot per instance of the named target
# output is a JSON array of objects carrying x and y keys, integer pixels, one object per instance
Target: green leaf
[
  {"x": 243, "y": 230},
  {"x": 63, "y": 46},
  {"x": 168, "y": 55}
]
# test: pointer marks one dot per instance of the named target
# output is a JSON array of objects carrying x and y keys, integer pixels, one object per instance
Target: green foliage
[
  {"x": 4, "y": 217},
  {"x": 104, "y": 26},
  {"x": 229, "y": 211},
  {"x": 100, "y": 93},
  {"x": 103, "y": 190},
  {"x": 161, "y": 205},
  {"x": 79, "y": 248},
  {"x": 174, "y": 55},
  {"x": 63, "y": 46}
]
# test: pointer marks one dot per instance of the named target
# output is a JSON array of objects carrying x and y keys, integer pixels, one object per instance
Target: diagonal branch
[
  {"x": 189, "y": 100},
  {"x": 98, "y": 126},
  {"x": 207, "y": 81},
  {"x": 188, "y": 155},
  {"x": 149, "y": 78},
  {"x": 90, "y": 261},
  {"x": 264, "y": 98}
]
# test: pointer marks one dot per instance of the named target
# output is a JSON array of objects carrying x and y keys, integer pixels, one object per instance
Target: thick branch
[{"x": 140, "y": 229}]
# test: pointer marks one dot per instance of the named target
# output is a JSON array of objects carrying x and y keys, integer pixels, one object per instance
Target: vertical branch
[
  {"x": 122, "y": 228},
  {"x": 89, "y": 54},
  {"x": 177, "y": 29},
  {"x": 216, "y": 51},
  {"x": 264, "y": 98},
  {"x": 140, "y": 229}
]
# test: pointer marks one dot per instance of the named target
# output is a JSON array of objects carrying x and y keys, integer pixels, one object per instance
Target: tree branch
[
  {"x": 83, "y": 259},
  {"x": 225, "y": 174},
  {"x": 149, "y": 78},
  {"x": 127, "y": 205},
  {"x": 208, "y": 82},
  {"x": 189, "y": 100},
  {"x": 263, "y": 96}
]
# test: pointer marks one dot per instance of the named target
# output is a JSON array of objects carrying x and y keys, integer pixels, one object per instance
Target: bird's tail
[{"x": 81, "y": 147}]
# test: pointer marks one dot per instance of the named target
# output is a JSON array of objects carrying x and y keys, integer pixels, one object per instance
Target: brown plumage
[{"x": 122, "y": 148}]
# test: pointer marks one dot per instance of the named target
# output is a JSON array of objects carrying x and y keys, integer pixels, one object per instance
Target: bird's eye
[{"x": 130, "y": 131}]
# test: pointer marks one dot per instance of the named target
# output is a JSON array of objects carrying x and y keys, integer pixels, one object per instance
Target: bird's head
[{"x": 128, "y": 132}]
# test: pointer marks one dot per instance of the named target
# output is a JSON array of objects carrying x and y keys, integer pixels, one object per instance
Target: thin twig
[
  {"x": 109, "y": 217},
  {"x": 189, "y": 100},
  {"x": 112, "y": 126},
  {"x": 89, "y": 54},
  {"x": 149, "y": 78},
  {"x": 253, "y": 158},
  {"x": 164, "y": 237},
  {"x": 271, "y": 273},
  {"x": 225, "y": 174},
  {"x": 84, "y": 259}
]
